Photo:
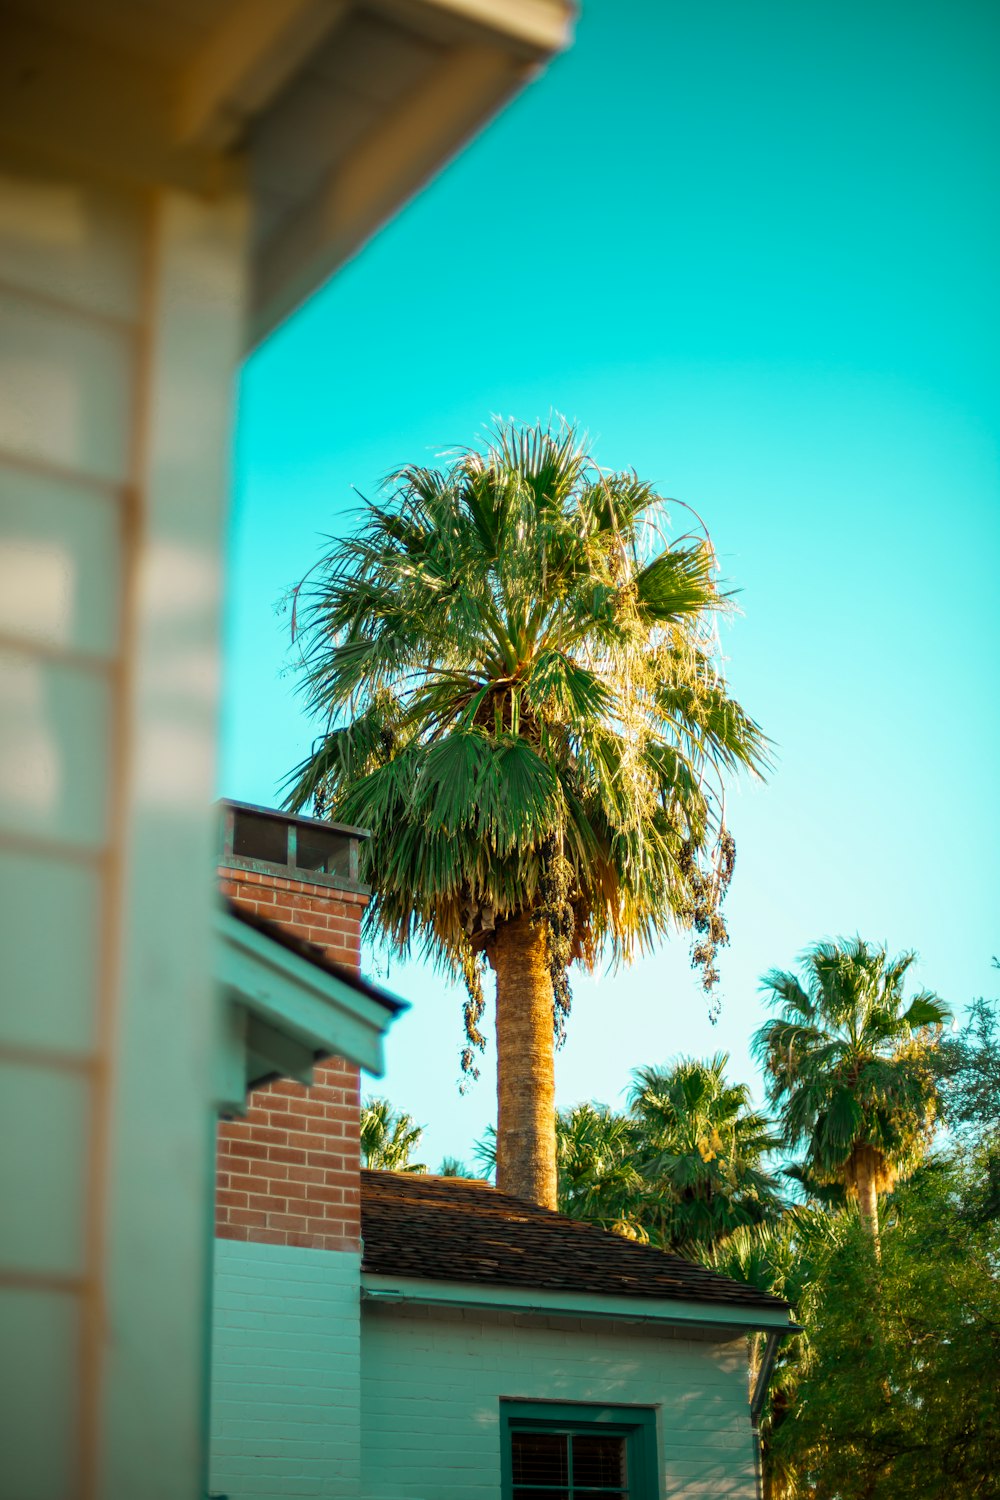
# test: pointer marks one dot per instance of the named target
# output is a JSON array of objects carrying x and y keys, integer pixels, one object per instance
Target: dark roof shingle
[{"x": 458, "y": 1229}]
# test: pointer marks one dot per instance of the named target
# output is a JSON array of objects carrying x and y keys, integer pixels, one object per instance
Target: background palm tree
[
  {"x": 703, "y": 1148},
  {"x": 389, "y": 1137},
  {"x": 847, "y": 1063},
  {"x": 519, "y": 688},
  {"x": 682, "y": 1169},
  {"x": 453, "y": 1166},
  {"x": 600, "y": 1176}
]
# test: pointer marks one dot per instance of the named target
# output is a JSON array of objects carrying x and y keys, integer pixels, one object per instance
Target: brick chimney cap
[{"x": 348, "y": 829}]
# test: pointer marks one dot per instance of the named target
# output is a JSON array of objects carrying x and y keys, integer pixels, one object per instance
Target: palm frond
[
  {"x": 507, "y": 651},
  {"x": 846, "y": 1061}
]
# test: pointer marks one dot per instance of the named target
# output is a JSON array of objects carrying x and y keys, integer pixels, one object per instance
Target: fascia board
[
  {"x": 229, "y": 1060},
  {"x": 542, "y": 27},
  {"x": 379, "y": 1289},
  {"x": 306, "y": 1003}
]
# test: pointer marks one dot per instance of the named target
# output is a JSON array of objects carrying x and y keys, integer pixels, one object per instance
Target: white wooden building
[{"x": 176, "y": 176}]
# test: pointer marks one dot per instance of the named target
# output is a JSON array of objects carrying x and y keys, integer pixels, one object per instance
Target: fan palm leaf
[{"x": 389, "y": 1137}]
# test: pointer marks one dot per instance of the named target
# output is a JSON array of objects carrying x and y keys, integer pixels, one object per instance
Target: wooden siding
[
  {"x": 70, "y": 277},
  {"x": 119, "y": 335}
]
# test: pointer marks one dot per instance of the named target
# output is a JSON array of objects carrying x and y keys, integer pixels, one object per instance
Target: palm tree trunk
[
  {"x": 526, "y": 1090},
  {"x": 864, "y": 1178}
]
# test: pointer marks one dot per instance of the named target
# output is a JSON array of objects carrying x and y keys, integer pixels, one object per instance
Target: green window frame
[{"x": 635, "y": 1424}]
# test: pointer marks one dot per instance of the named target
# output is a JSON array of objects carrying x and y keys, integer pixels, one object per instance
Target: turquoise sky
[{"x": 753, "y": 250}]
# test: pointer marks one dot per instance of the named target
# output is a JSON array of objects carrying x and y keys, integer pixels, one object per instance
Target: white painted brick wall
[
  {"x": 432, "y": 1384},
  {"x": 286, "y": 1404}
]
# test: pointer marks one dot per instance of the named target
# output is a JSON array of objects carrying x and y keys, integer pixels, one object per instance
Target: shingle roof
[{"x": 458, "y": 1229}]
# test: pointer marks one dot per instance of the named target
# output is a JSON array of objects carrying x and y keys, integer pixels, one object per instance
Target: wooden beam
[
  {"x": 229, "y": 1061},
  {"x": 279, "y": 1052},
  {"x": 248, "y": 59}
]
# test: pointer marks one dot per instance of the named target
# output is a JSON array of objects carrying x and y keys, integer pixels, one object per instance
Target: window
[{"x": 557, "y": 1452}]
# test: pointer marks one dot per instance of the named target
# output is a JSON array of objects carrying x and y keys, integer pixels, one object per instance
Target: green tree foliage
[
  {"x": 894, "y": 1395},
  {"x": 847, "y": 1065},
  {"x": 968, "y": 1070},
  {"x": 389, "y": 1137},
  {"x": 600, "y": 1169},
  {"x": 889, "y": 1391},
  {"x": 788, "y": 1257},
  {"x": 453, "y": 1166},
  {"x": 968, "y": 1067}
]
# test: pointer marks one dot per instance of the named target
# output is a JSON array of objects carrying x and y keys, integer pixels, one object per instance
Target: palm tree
[
  {"x": 389, "y": 1137},
  {"x": 600, "y": 1173},
  {"x": 682, "y": 1169},
  {"x": 847, "y": 1064},
  {"x": 453, "y": 1166},
  {"x": 703, "y": 1149},
  {"x": 518, "y": 683}
]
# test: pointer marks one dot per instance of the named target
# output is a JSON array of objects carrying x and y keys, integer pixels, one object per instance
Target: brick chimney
[{"x": 288, "y": 1172}]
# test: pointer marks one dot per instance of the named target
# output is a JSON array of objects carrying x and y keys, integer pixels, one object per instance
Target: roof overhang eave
[
  {"x": 279, "y": 1014},
  {"x": 489, "y": 51},
  {"x": 727, "y": 1319}
]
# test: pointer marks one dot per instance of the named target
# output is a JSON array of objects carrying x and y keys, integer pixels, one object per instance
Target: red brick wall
[
  {"x": 288, "y": 1172},
  {"x": 320, "y": 913}
]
